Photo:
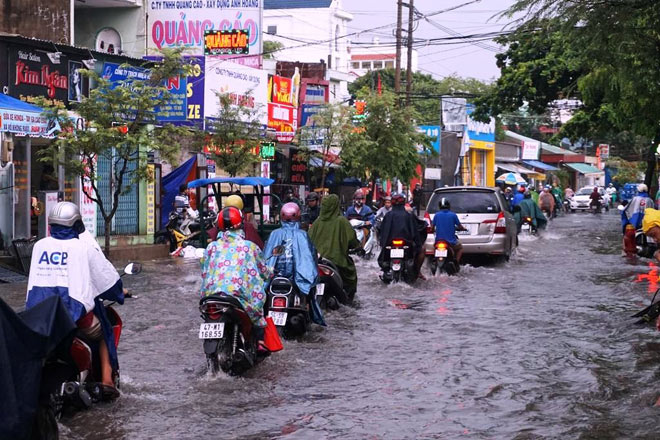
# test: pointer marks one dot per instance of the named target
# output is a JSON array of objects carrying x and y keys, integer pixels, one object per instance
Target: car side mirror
[{"x": 133, "y": 268}]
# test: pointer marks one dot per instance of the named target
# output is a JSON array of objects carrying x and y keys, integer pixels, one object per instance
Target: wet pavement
[{"x": 542, "y": 347}]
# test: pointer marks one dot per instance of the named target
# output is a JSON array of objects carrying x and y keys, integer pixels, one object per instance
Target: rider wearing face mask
[
  {"x": 359, "y": 209},
  {"x": 297, "y": 260}
]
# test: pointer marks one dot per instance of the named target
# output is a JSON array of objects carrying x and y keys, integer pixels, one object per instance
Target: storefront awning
[
  {"x": 586, "y": 169},
  {"x": 516, "y": 168},
  {"x": 539, "y": 164}
]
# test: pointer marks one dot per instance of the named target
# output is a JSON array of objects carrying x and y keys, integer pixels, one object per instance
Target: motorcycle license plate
[
  {"x": 320, "y": 289},
  {"x": 396, "y": 253},
  {"x": 279, "y": 318},
  {"x": 441, "y": 252},
  {"x": 212, "y": 330},
  {"x": 525, "y": 227}
]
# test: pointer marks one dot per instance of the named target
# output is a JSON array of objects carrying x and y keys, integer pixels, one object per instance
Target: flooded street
[{"x": 540, "y": 347}]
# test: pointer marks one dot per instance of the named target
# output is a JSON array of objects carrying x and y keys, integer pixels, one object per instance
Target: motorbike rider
[
  {"x": 359, "y": 210},
  {"x": 446, "y": 223},
  {"x": 611, "y": 192},
  {"x": 569, "y": 193},
  {"x": 249, "y": 229},
  {"x": 596, "y": 199},
  {"x": 312, "y": 209},
  {"x": 333, "y": 236},
  {"x": 297, "y": 260},
  {"x": 387, "y": 207},
  {"x": 633, "y": 214},
  {"x": 235, "y": 266},
  {"x": 401, "y": 224},
  {"x": 70, "y": 267},
  {"x": 558, "y": 194},
  {"x": 181, "y": 200},
  {"x": 517, "y": 198},
  {"x": 508, "y": 195},
  {"x": 418, "y": 197},
  {"x": 547, "y": 202},
  {"x": 529, "y": 209}
]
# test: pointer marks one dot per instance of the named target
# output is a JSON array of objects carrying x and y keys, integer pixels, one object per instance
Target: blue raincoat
[
  {"x": 634, "y": 212},
  {"x": 298, "y": 262}
]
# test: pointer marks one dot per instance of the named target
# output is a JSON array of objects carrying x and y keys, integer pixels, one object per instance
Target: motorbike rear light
[
  {"x": 279, "y": 302},
  {"x": 397, "y": 242},
  {"x": 325, "y": 271},
  {"x": 528, "y": 219},
  {"x": 427, "y": 219},
  {"x": 213, "y": 311},
  {"x": 441, "y": 245}
]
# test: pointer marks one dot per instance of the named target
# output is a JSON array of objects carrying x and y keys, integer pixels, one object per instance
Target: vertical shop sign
[
  {"x": 298, "y": 169},
  {"x": 151, "y": 202},
  {"x": 282, "y": 116},
  {"x": 265, "y": 172},
  {"x": 87, "y": 206}
]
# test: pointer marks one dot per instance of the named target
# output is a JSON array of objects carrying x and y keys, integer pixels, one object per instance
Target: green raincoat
[
  {"x": 333, "y": 236},
  {"x": 530, "y": 209}
]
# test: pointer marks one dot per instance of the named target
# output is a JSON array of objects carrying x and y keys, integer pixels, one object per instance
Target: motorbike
[
  {"x": 330, "y": 291},
  {"x": 287, "y": 307},
  {"x": 71, "y": 376},
  {"x": 527, "y": 227},
  {"x": 646, "y": 246},
  {"x": 181, "y": 232},
  {"x": 398, "y": 263},
  {"x": 365, "y": 236},
  {"x": 444, "y": 259},
  {"x": 228, "y": 335}
]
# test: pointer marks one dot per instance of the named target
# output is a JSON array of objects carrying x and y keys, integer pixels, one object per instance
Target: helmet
[
  {"x": 64, "y": 214},
  {"x": 398, "y": 199},
  {"x": 313, "y": 196},
  {"x": 642, "y": 188},
  {"x": 528, "y": 194},
  {"x": 387, "y": 199},
  {"x": 444, "y": 204},
  {"x": 521, "y": 189},
  {"x": 358, "y": 197},
  {"x": 290, "y": 212},
  {"x": 230, "y": 218},
  {"x": 234, "y": 200}
]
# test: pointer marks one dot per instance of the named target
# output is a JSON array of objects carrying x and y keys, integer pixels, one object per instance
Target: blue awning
[
  {"x": 538, "y": 164},
  {"x": 251, "y": 181},
  {"x": 9, "y": 103}
]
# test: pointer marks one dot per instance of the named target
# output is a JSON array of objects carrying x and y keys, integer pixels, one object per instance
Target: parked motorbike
[
  {"x": 288, "y": 308},
  {"x": 527, "y": 227},
  {"x": 399, "y": 263},
  {"x": 229, "y": 338},
  {"x": 365, "y": 236},
  {"x": 330, "y": 291},
  {"x": 71, "y": 376},
  {"x": 444, "y": 259},
  {"x": 181, "y": 232}
]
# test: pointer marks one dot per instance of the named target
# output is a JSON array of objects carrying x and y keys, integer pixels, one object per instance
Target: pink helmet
[{"x": 290, "y": 212}]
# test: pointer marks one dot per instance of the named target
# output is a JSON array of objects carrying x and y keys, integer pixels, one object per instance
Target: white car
[{"x": 581, "y": 201}]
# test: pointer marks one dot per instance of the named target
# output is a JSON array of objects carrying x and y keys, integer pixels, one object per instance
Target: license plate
[
  {"x": 441, "y": 252},
  {"x": 212, "y": 330},
  {"x": 320, "y": 289},
  {"x": 396, "y": 253},
  {"x": 525, "y": 227},
  {"x": 468, "y": 230},
  {"x": 396, "y": 267},
  {"x": 279, "y": 318}
]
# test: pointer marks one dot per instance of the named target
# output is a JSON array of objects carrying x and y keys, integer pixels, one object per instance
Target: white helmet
[
  {"x": 64, "y": 214},
  {"x": 642, "y": 188}
]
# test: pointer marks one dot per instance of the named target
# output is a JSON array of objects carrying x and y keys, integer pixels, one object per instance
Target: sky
[{"x": 466, "y": 60}]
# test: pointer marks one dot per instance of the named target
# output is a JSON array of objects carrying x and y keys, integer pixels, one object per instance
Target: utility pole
[
  {"x": 397, "y": 66},
  {"x": 411, "y": 9}
]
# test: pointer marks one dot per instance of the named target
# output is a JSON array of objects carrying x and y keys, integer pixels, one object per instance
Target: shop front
[{"x": 480, "y": 138}]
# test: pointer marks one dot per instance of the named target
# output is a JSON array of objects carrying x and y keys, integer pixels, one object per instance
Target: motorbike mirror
[
  {"x": 133, "y": 268},
  {"x": 278, "y": 250}
]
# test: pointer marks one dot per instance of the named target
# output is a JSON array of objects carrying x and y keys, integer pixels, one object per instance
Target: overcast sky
[{"x": 467, "y": 60}]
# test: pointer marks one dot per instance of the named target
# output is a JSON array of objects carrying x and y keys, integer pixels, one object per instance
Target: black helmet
[
  {"x": 444, "y": 203},
  {"x": 398, "y": 199},
  {"x": 313, "y": 196}
]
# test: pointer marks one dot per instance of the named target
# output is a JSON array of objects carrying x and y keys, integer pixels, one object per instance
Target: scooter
[
  {"x": 365, "y": 236},
  {"x": 288, "y": 308},
  {"x": 183, "y": 232},
  {"x": 71, "y": 377},
  {"x": 527, "y": 227},
  {"x": 444, "y": 259},
  {"x": 228, "y": 335},
  {"x": 330, "y": 291},
  {"x": 398, "y": 263},
  {"x": 646, "y": 246}
]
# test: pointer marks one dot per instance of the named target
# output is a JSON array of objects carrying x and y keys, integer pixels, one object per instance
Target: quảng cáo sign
[{"x": 234, "y": 42}]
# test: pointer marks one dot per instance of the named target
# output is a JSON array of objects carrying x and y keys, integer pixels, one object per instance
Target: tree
[
  {"x": 271, "y": 47},
  {"x": 235, "y": 134},
  {"x": 121, "y": 126},
  {"x": 384, "y": 143},
  {"x": 330, "y": 129}
]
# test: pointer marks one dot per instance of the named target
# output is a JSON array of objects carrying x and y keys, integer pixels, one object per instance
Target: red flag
[{"x": 380, "y": 86}]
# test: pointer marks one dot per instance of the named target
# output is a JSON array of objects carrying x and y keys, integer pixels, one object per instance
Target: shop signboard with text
[
  {"x": 531, "y": 150},
  {"x": 185, "y": 24},
  {"x": 31, "y": 74},
  {"x": 282, "y": 115}
]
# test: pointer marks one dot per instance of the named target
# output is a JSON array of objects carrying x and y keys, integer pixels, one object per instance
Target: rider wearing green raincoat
[
  {"x": 333, "y": 236},
  {"x": 529, "y": 209}
]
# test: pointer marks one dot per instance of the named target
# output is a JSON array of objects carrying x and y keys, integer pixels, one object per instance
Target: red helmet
[
  {"x": 290, "y": 212},
  {"x": 230, "y": 218}
]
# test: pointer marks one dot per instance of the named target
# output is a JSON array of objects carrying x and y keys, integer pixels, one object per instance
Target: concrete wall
[
  {"x": 43, "y": 19},
  {"x": 128, "y": 22}
]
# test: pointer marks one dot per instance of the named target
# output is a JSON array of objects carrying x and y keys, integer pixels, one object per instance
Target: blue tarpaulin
[
  {"x": 252, "y": 181},
  {"x": 171, "y": 184}
]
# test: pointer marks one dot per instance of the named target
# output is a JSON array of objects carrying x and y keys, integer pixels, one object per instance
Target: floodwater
[{"x": 542, "y": 347}]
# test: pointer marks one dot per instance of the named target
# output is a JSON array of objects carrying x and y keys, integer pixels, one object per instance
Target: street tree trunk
[{"x": 106, "y": 245}]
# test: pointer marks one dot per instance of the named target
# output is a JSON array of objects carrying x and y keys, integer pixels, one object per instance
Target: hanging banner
[
  {"x": 184, "y": 24},
  {"x": 24, "y": 123},
  {"x": 454, "y": 114}
]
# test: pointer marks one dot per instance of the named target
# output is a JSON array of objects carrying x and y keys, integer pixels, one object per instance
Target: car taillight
[
  {"x": 397, "y": 242},
  {"x": 279, "y": 302},
  {"x": 427, "y": 219},
  {"x": 441, "y": 245},
  {"x": 324, "y": 271},
  {"x": 213, "y": 311},
  {"x": 500, "y": 226}
]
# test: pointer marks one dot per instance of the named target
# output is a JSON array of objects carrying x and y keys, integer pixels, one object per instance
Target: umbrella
[{"x": 511, "y": 179}]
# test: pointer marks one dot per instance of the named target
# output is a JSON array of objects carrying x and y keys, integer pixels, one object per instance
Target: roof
[
  {"x": 250, "y": 181},
  {"x": 296, "y": 4},
  {"x": 551, "y": 149},
  {"x": 9, "y": 103},
  {"x": 584, "y": 168},
  {"x": 539, "y": 164}
]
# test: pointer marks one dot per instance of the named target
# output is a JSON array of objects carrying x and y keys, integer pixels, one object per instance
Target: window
[
  {"x": 337, "y": 37},
  {"x": 337, "y": 63},
  {"x": 355, "y": 64},
  {"x": 366, "y": 65},
  {"x": 378, "y": 64},
  {"x": 389, "y": 64},
  {"x": 272, "y": 30},
  {"x": 467, "y": 202}
]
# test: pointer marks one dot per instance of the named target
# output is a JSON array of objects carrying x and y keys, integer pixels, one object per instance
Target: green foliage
[
  {"x": 270, "y": 48},
  {"x": 120, "y": 126},
  {"x": 383, "y": 144},
  {"x": 626, "y": 171},
  {"x": 233, "y": 136}
]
